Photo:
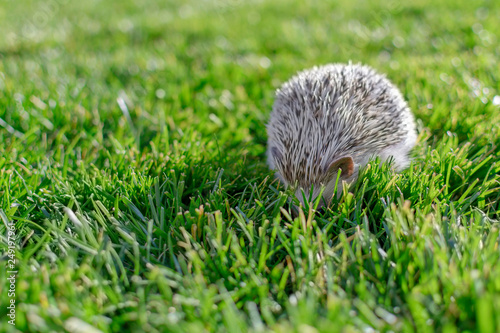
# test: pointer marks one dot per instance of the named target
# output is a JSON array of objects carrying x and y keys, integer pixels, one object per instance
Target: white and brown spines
[{"x": 330, "y": 112}]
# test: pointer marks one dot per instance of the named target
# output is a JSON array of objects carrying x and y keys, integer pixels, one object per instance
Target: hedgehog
[{"x": 335, "y": 118}]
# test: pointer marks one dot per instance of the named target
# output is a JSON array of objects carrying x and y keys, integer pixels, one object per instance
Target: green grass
[{"x": 132, "y": 161}]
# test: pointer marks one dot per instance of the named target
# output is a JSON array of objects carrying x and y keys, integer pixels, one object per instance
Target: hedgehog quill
[{"x": 336, "y": 118}]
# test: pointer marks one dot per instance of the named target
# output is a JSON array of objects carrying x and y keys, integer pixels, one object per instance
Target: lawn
[{"x": 133, "y": 169}]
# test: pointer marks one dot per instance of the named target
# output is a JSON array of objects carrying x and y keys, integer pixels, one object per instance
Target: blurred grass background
[{"x": 147, "y": 120}]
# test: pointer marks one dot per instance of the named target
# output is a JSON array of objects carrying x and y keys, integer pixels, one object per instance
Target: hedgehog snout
[{"x": 311, "y": 193}]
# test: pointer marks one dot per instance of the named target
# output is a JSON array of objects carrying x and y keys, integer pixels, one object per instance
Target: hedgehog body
[{"x": 336, "y": 117}]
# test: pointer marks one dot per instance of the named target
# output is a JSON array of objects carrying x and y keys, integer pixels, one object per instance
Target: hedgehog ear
[{"x": 345, "y": 164}]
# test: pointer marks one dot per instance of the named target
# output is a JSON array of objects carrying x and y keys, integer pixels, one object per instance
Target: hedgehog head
[{"x": 310, "y": 175}]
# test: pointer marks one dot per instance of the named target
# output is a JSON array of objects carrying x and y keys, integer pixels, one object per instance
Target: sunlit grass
[{"x": 132, "y": 160}]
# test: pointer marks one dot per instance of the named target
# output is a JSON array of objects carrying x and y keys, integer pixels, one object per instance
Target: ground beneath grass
[{"x": 132, "y": 170}]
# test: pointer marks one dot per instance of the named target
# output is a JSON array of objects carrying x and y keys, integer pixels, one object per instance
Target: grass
[{"x": 132, "y": 162}]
